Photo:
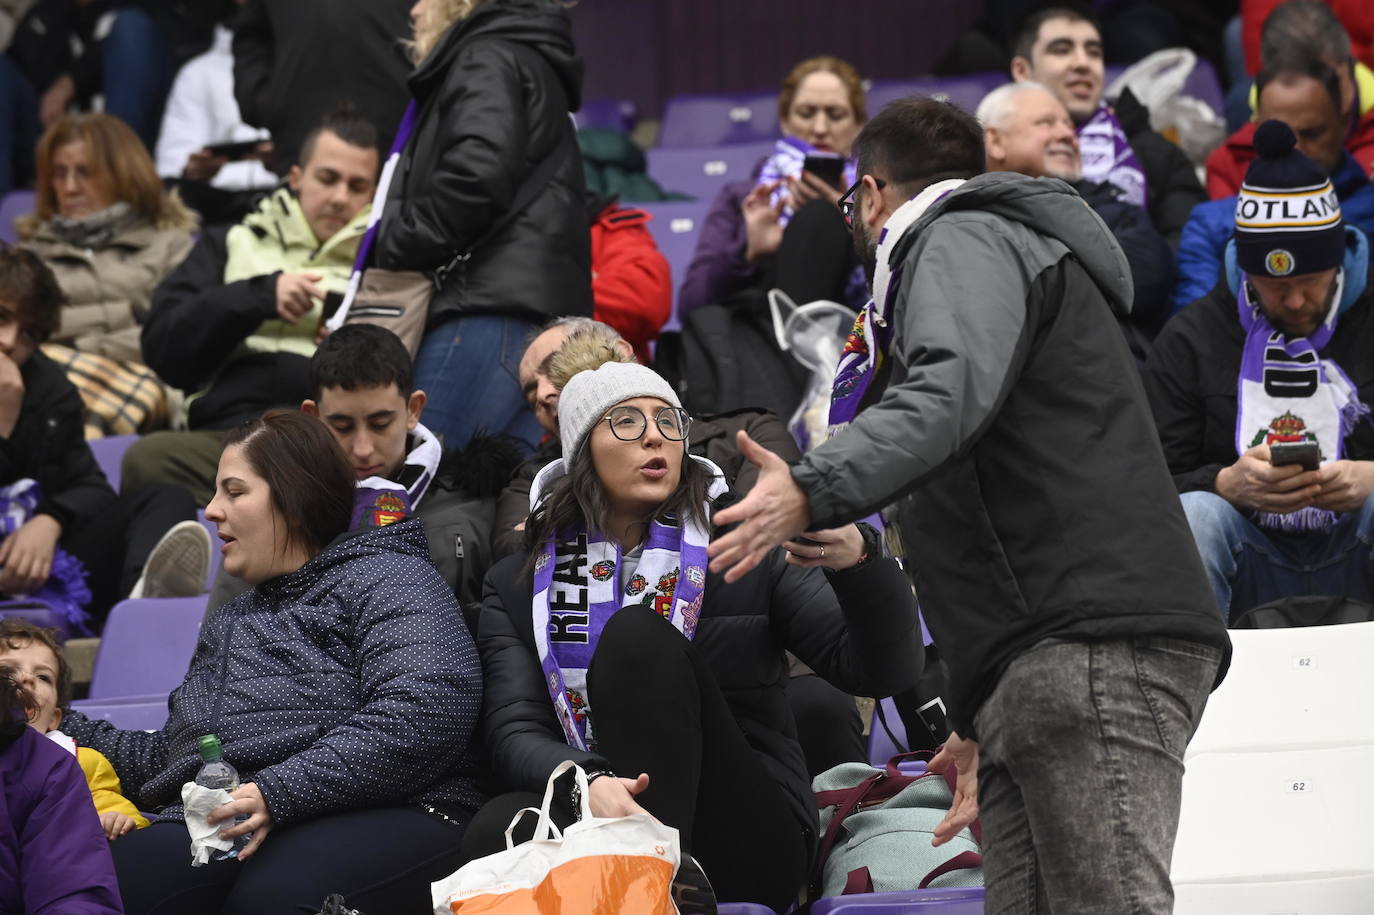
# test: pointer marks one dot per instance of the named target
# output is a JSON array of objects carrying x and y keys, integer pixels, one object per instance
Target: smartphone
[
  {"x": 235, "y": 152},
  {"x": 829, "y": 169},
  {"x": 1307, "y": 454}
]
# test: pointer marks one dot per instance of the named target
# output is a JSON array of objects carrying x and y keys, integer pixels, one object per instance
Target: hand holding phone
[
  {"x": 829, "y": 169},
  {"x": 1306, "y": 454}
]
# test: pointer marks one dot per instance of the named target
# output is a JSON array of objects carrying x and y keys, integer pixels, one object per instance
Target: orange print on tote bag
[{"x": 597, "y": 866}]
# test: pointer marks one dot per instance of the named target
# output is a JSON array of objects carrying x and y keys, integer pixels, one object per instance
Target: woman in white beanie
[{"x": 609, "y": 644}]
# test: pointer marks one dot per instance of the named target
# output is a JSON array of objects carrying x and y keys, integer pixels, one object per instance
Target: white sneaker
[{"x": 179, "y": 565}]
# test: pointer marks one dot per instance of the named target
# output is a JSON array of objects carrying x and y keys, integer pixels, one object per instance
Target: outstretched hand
[
  {"x": 963, "y": 755},
  {"x": 774, "y": 512}
]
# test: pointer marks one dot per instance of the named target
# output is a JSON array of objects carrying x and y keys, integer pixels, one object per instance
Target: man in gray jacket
[{"x": 989, "y": 403}]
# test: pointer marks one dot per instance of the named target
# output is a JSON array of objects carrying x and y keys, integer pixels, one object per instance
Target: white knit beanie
[{"x": 588, "y": 395}]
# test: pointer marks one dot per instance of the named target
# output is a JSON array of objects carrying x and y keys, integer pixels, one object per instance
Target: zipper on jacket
[{"x": 458, "y": 554}]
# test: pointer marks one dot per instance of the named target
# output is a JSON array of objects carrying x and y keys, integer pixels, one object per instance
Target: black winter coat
[
  {"x": 351, "y": 682},
  {"x": 48, "y": 444},
  {"x": 494, "y": 97},
  {"x": 859, "y": 631},
  {"x": 296, "y": 61}
]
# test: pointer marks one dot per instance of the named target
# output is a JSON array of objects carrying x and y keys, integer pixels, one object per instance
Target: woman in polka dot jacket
[{"x": 344, "y": 686}]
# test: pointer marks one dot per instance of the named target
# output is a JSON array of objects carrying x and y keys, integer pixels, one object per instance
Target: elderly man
[
  {"x": 1280, "y": 352},
  {"x": 1061, "y": 49},
  {"x": 1056, "y": 572},
  {"x": 1027, "y": 130}
]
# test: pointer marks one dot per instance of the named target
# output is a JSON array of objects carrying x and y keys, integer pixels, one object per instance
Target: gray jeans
[{"x": 1081, "y": 773}]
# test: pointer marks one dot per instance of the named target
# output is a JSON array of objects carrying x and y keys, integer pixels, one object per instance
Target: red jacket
[
  {"x": 1227, "y": 164},
  {"x": 1356, "y": 15},
  {"x": 632, "y": 288}
]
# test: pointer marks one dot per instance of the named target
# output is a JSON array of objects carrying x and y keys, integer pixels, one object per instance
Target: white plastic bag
[
  {"x": 1157, "y": 83},
  {"x": 814, "y": 334},
  {"x": 597, "y": 866}
]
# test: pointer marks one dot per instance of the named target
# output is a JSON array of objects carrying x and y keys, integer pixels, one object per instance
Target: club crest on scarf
[
  {"x": 1285, "y": 428},
  {"x": 387, "y": 509},
  {"x": 603, "y": 570}
]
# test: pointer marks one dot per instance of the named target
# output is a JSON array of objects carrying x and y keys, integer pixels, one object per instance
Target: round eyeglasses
[{"x": 629, "y": 423}]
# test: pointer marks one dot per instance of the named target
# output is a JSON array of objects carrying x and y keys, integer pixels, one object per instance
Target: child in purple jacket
[{"x": 54, "y": 857}]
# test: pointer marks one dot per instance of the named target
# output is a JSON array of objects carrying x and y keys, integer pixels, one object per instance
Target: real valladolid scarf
[
  {"x": 379, "y": 501},
  {"x": 1288, "y": 393},
  {"x": 577, "y": 590},
  {"x": 1108, "y": 157}
]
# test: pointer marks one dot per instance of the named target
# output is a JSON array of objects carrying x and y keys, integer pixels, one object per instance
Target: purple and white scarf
[
  {"x": 1108, "y": 157},
  {"x": 65, "y": 592},
  {"x": 1288, "y": 393},
  {"x": 787, "y": 162},
  {"x": 379, "y": 501},
  {"x": 577, "y": 589},
  {"x": 868, "y": 343}
]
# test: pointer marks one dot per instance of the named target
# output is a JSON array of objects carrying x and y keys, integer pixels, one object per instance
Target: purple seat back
[
  {"x": 612, "y": 114},
  {"x": 675, "y": 226},
  {"x": 880, "y": 746},
  {"x": 12, "y": 206},
  {"x": 700, "y": 172},
  {"x": 964, "y": 901},
  {"x": 109, "y": 453},
  {"x": 719, "y": 119},
  {"x": 964, "y": 91},
  {"x": 135, "y": 713},
  {"x": 146, "y": 646}
]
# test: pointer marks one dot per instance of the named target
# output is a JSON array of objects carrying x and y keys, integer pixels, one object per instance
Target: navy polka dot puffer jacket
[{"x": 351, "y": 682}]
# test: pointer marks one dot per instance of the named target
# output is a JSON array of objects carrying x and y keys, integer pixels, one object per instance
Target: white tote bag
[{"x": 597, "y": 866}]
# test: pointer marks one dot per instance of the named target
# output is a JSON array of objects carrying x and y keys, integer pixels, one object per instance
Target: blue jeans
[
  {"x": 1080, "y": 773},
  {"x": 1248, "y": 565},
  {"x": 137, "y": 72},
  {"x": 18, "y": 126},
  {"x": 470, "y": 370}
]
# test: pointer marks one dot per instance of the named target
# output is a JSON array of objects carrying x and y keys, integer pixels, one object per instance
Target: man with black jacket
[
  {"x": 294, "y": 60},
  {"x": 988, "y": 384},
  {"x": 235, "y": 325},
  {"x": 1277, "y": 355}
]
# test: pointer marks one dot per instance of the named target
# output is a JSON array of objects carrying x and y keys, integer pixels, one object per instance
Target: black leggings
[
  {"x": 380, "y": 860},
  {"x": 658, "y": 710}
]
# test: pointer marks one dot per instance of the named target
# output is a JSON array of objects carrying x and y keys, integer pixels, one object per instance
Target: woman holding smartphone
[{"x": 782, "y": 227}]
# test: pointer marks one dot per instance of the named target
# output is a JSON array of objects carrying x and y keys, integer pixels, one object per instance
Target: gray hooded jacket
[{"x": 1010, "y": 427}]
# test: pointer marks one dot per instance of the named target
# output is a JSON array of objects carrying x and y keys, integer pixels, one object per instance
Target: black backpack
[{"x": 725, "y": 358}]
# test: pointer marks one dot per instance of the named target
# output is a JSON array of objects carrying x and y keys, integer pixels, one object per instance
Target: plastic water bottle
[{"x": 216, "y": 772}]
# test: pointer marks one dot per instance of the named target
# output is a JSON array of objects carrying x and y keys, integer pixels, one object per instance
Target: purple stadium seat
[
  {"x": 880, "y": 746},
  {"x": 146, "y": 647},
  {"x": 719, "y": 119},
  {"x": 612, "y": 114},
  {"x": 966, "y": 901},
  {"x": 109, "y": 453},
  {"x": 675, "y": 226},
  {"x": 700, "y": 172},
  {"x": 132, "y": 713},
  {"x": 964, "y": 91},
  {"x": 13, "y": 205}
]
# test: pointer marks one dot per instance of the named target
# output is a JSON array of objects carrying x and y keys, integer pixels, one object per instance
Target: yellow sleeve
[{"x": 104, "y": 785}]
